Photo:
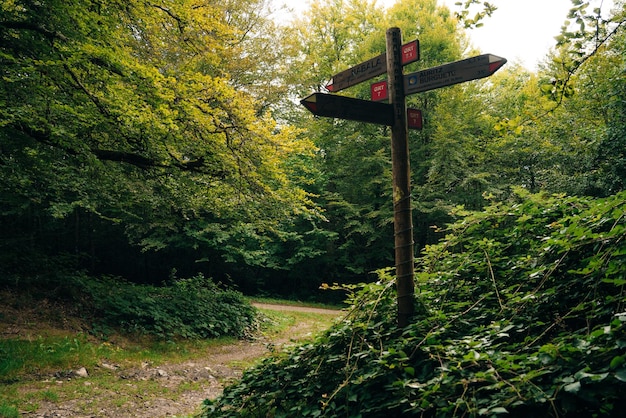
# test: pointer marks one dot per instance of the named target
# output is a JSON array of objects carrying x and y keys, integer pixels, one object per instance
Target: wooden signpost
[
  {"x": 341, "y": 107},
  {"x": 396, "y": 115}
]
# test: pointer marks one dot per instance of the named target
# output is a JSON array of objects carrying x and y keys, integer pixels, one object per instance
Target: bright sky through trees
[
  {"x": 520, "y": 30},
  {"x": 523, "y": 31}
]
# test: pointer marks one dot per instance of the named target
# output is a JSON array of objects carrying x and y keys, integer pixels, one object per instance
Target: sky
[{"x": 519, "y": 30}]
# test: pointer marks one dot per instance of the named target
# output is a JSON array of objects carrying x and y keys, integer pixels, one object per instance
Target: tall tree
[{"x": 139, "y": 113}]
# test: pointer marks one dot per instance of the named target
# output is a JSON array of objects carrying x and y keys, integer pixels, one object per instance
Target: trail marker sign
[
  {"x": 414, "y": 118},
  {"x": 445, "y": 75},
  {"x": 371, "y": 68},
  {"x": 453, "y": 73},
  {"x": 341, "y": 107},
  {"x": 378, "y": 91}
]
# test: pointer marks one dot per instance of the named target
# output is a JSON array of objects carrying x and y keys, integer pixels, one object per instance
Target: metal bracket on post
[{"x": 402, "y": 217}]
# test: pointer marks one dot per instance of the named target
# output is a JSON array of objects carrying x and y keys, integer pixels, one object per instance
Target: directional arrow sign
[
  {"x": 453, "y": 73},
  {"x": 341, "y": 107},
  {"x": 371, "y": 68}
]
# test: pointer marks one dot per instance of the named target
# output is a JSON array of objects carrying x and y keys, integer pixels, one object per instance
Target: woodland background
[
  {"x": 156, "y": 164},
  {"x": 155, "y": 141}
]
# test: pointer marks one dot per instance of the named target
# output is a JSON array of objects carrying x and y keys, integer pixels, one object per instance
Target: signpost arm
[{"x": 403, "y": 222}]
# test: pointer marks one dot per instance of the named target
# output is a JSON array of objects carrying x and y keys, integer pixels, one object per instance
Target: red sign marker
[
  {"x": 410, "y": 52},
  {"x": 379, "y": 91},
  {"x": 414, "y": 118}
]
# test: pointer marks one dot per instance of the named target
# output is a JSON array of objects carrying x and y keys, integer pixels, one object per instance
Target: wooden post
[{"x": 402, "y": 222}]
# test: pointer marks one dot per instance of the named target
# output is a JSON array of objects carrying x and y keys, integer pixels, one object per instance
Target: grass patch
[
  {"x": 274, "y": 323},
  {"x": 48, "y": 395},
  {"x": 8, "y": 411},
  {"x": 20, "y": 359},
  {"x": 41, "y": 355},
  {"x": 50, "y": 381}
]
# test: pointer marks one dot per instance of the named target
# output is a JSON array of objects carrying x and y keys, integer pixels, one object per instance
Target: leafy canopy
[{"x": 150, "y": 88}]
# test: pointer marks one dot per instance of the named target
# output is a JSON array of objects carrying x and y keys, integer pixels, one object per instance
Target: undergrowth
[
  {"x": 188, "y": 308},
  {"x": 524, "y": 316},
  {"x": 182, "y": 308}
]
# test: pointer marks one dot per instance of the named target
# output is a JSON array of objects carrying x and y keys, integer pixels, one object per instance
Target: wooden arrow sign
[
  {"x": 371, "y": 68},
  {"x": 341, "y": 107},
  {"x": 453, "y": 73},
  {"x": 442, "y": 76}
]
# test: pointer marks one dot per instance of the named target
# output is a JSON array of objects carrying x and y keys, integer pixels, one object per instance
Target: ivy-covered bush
[
  {"x": 524, "y": 315},
  {"x": 188, "y": 308}
]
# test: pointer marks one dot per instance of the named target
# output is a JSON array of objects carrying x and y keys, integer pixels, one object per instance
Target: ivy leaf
[
  {"x": 496, "y": 410},
  {"x": 617, "y": 361},
  {"x": 621, "y": 374},
  {"x": 573, "y": 387}
]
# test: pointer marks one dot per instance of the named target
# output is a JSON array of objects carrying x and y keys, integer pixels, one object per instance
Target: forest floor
[{"x": 142, "y": 389}]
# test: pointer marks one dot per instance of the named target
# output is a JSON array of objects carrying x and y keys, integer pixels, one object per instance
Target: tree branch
[
  {"x": 51, "y": 35},
  {"x": 197, "y": 165}
]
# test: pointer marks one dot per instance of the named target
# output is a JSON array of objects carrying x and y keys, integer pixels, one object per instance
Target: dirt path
[
  {"x": 207, "y": 375},
  {"x": 288, "y": 308}
]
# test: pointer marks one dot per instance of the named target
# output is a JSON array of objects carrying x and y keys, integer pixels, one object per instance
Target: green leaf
[
  {"x": 621, "y": 374},
  {"x": 572, "y": 387},
  {"x": 617, "y": 361}
]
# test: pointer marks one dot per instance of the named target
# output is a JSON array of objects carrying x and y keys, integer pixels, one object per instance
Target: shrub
[{"x": 189, "y": 308}]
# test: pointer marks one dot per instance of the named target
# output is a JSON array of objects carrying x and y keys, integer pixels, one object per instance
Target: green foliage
[
  {"x": 465, "y": 8},
  {"x": 350, "y": 175},
  {"x": 8, "y": 411},
  {"x": 525, "y": 315},
  {"x": 188, "y": 308},
  {"x": 194, "y": 308},
  {"x": 136, "y": 118}
]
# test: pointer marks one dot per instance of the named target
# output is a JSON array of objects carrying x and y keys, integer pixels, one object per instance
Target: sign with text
[
  {"x": 378, "y": 91},
  {"x": 341, "y": 107},
  {"x": 414, "y": 119},
  {"x": 410, "y": 52},
  {"x": 445, "y": 75},
  {"x": 371, "y": 68},
  {"x": 453, "y": 73}
]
